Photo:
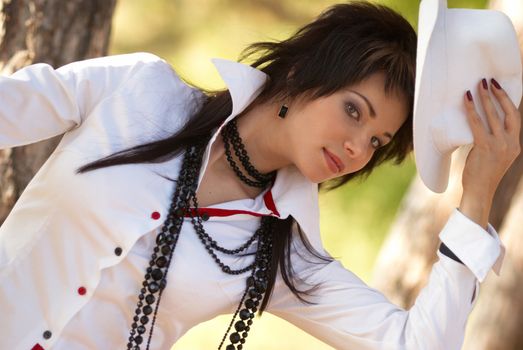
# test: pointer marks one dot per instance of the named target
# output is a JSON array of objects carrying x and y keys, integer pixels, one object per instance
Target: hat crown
[
  {"x": 456, "y": 49},
  {"x": 477, "y": 44},
  {"x": 488, "y": 34}
]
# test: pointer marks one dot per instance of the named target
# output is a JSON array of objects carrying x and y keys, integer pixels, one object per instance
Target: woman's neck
[
  {"x": 263, "y": 134},
  {"x": 264, "y": 138}
]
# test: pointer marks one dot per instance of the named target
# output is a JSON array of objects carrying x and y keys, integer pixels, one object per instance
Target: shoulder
[
  {"x": 120, "y": 68},
  {"x": 114, "y": 61},
  {"x": 141, "y": 71}
]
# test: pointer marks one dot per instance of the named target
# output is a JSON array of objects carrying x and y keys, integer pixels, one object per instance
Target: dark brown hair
[{"x": 344, "y": 45}]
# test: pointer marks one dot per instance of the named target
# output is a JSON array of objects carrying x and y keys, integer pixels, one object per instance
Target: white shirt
[{"x": 63, "y": 286}]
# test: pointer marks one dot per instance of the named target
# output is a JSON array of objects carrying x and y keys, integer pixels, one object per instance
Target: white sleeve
[
  {"x": 348, "y": 314},
  {"x": 38, "y": 102},
  {"x": 479, "y": 251}
]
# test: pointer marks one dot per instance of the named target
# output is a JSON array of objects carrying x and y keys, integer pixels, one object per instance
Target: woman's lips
[{"x": 334, "y": 163}]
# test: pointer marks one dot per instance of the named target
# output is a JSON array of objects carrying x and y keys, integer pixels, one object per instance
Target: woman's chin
[
  {"x": 316, "y": 178},
  {"x": 315, "y": 174}
]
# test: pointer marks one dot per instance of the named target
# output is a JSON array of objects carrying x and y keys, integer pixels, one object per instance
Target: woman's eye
[
  {"x": 376, "y": 143},
  {"x": 353, "y": 111}
]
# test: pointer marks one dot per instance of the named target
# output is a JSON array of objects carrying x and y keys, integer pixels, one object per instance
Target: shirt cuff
[
  {"x": 478, "y": 249},
  {"x": 447, "y": 252}
]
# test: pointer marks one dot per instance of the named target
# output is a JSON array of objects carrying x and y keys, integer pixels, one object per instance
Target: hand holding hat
[
  {"x": 459, "y": 52},
  {"x": 494, "y": 150}
]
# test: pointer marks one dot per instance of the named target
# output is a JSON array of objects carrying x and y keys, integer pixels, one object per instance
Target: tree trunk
[
  {"x": 497, "y": 319},
  {"x": 502, "y": 199},
  {"x": 50, "y": 31}
]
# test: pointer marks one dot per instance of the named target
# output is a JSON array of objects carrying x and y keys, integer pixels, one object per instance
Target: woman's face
[{"x": 338, "y": 134}]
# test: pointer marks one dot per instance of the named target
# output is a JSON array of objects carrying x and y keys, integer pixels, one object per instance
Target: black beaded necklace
[
  {"x": 230, "y": 135},
  {"x": 185, "y": 202}
]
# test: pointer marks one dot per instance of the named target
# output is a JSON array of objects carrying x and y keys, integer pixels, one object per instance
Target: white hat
[{"x": 456, "y": 49}]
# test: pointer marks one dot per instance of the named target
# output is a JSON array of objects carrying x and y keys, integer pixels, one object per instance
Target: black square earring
[{"x": 283, "y": 111}]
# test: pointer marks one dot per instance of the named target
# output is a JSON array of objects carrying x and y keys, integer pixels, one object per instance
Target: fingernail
[
  {"x": 484, "y": 83},
  {"x": 495, "y": 83},
  {"x": 469, "y": 96}
]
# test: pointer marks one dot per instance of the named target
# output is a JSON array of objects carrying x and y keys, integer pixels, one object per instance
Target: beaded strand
[
  {"x": 185, "y": 202},
  {"x": 155, "y": 278},
  {"x": 230, "y": 136}
]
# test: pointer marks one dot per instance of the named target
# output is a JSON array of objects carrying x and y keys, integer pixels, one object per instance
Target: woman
[{"x": 163, "y": 207}]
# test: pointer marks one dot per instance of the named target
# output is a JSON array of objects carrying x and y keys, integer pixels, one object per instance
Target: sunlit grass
[{"x": 268, "y": 333}]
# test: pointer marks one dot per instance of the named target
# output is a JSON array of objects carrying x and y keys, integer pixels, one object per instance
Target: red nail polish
[
  {"x": 495, "y": 83},
  {"x": 484, "y": 83},
  {"x": 469, "y": 96}
]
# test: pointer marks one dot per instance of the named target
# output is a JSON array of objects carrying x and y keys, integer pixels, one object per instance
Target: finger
[
  {"x": 494, "y": 122},
  {"x": 475, "y": 123},
  {"x": 512, "y": 115}
]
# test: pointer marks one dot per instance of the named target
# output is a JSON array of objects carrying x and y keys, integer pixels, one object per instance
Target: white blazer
[{"x": 65, "y": 228}]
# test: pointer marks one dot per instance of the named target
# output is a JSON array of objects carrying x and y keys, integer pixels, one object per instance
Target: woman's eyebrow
[{"x": 371, "y": 109}]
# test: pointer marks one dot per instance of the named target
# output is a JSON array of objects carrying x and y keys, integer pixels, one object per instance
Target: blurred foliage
[{"x": 187, "y": 33}]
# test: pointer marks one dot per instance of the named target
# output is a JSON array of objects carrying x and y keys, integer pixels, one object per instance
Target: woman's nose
[{"x": 355, "y": 148}]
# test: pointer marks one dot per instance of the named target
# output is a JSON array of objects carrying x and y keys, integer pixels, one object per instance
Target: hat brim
[{"x": 433, "y": 167}]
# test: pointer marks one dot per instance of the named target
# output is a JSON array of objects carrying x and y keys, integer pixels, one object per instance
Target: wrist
[{"x": 476, "y": 208}]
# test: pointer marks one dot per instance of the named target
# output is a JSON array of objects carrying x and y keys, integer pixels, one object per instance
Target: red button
[
  {"x": 155, "y": 215},
  {"x": 82, "y": 290}
]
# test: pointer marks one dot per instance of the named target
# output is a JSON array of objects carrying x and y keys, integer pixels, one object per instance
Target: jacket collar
[{"x": 293, "y": 194}]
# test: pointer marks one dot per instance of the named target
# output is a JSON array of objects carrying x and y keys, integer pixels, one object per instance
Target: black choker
[
  {"x": 230, "y": 135},
  {"x": 185, "y": 202}
]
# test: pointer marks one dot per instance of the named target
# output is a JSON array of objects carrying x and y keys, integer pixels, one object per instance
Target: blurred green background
[{"x": 188, "y": 33}]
